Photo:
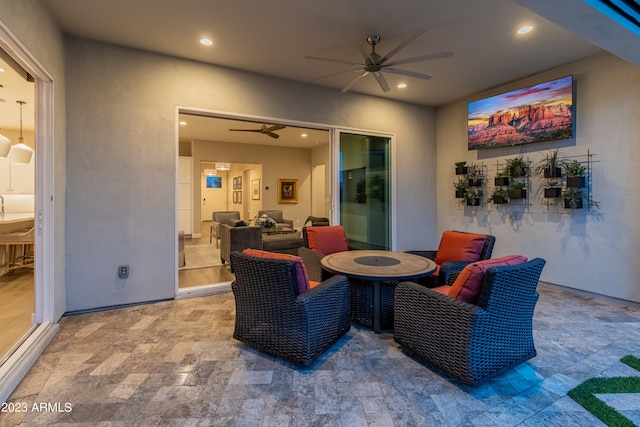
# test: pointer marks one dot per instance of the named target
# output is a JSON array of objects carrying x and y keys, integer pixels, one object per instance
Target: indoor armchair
[
  {"x": 221, "y": 217},
  {"x": 277, "y": 216},
  {"x": 279, "y": 313}
]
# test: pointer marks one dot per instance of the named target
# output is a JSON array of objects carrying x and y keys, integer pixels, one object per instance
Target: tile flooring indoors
[{"x": 176, "y": 363}]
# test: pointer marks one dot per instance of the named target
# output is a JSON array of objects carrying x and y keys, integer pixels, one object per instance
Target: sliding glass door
[{"x": 364, "y": 189}]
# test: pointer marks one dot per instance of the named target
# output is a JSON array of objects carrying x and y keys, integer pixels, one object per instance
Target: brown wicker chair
[
  {"x": 450, "y": 269},
  {"x": 467, "y": 342},
  {"x": 272, "y": 317}
]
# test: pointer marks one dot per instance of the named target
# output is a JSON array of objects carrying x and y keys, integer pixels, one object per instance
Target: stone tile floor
[{"x": 176, "y": 363}]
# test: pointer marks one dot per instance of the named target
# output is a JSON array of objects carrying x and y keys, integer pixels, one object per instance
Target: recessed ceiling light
[
  {"x": 304, "y": 135},
  {"x": 526, "y": 29},
  {"x": 2, "y": 70},
  {"x": 206, "y": 42},
  {"x": 183, "y": 123},
  {"x": 402, "y": 85}
]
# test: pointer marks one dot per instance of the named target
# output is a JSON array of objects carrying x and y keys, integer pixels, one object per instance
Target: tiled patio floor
[{"x": 176, "y": 363}]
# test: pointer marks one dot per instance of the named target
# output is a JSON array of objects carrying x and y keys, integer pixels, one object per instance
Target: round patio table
[{"x": 377, "y": 266}]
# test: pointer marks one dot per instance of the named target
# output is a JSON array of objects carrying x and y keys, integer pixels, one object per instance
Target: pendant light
[
  {"x": 5, "y": 146},
  {"x": 21, "y": 152}
]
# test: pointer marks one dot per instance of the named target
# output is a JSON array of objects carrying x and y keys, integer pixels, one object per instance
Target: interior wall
[
  {"x": 593, "y": 251},
  {"x": 277, "y": 163},
  {"x": 31, "y": 23},
  {"x": 122, "y": 159}
]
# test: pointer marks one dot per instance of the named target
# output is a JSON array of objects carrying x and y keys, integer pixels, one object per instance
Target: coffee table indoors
[{"x": 377, "y": 266}]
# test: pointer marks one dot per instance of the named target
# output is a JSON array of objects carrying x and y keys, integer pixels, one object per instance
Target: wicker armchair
[
  {"x": 272, "y": 317},
  {"x": 467, "y": 342},
  {"x": 450, "y": 269}
]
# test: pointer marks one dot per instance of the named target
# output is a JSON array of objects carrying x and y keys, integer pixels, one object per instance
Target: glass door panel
[{"x": 364, "y": 190}]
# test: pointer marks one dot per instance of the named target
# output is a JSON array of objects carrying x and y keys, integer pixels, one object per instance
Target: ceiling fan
[
  {"x": 267, "y": 130},
  {"x": 376, "y": 64}
]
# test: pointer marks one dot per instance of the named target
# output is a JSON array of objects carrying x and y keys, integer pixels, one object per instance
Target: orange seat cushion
[
  {"x": 468, "y": 284},
  {"x": 457, "y": 246},
  {"x": 301, "y": 271},
  {"x": 444, "y": 289},
  {"x": 327, "y": 239}
]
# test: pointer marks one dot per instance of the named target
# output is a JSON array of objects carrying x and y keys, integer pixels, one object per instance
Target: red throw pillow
[
  {"x": 327, "y": 239},
  {"x": 301, "y": 271},
  {"x": 457, "y": 246},
  {"x": 469, "y": 282}
]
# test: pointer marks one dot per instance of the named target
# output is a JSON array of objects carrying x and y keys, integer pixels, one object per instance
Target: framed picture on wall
[
  {"x": 255, "y": 189},
  {"x": 235, "y": 182},
  {"x": 235, "y": 197},
  {"x": 239, "y": 183},
  {"x": 214, "y": 182},
  {"x": 287, "y": 191},
  {"x": 239, "y": 196}
]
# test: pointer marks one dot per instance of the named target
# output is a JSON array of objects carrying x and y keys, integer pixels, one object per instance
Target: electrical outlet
[{"x": 123, "y": 271}]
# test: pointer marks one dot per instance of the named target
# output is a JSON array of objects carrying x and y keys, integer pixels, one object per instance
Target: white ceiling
[{"x": 273, "y": 37}]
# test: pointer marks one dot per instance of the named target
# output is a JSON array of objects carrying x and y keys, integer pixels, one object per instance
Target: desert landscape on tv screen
[{"x": 543, "y": 112}]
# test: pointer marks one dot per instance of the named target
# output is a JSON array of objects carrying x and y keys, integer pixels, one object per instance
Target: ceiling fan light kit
[{"x": 377, "y": 65}]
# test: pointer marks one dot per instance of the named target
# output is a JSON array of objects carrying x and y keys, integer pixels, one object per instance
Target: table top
[{"x": 371, "y": 264}]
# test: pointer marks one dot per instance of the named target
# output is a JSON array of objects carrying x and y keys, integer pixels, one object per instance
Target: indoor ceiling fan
[
  {"x": 376, "y": 64},
  {"x": 267, "y": 130}
]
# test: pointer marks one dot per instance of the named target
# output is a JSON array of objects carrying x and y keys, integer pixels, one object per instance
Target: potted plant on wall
[
  {"x": 500, "y": 195},
  {"x": 501, "y": 178},
  {"x": 461, "y": 187},
  {"x": 461, "y": 169},
  {"x": 473, "y": 196},
  {"x": 549, "y": 166},
  {"x": 518, "y": 190},
  {"x": 552, "y": 190},
  {"x": 516, "y": 167},
  {"x": 572, "y": 198},
  {"x": 475, "y": 175},
  {"x": 575, "y": 174}
]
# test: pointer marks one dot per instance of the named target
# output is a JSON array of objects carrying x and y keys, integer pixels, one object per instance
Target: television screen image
[
  {"x": 214, "y": 182},
  {"x": 542, "y": 112}
]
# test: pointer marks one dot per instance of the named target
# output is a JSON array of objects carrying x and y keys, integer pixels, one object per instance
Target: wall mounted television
[{"x": 541, "y": 112}]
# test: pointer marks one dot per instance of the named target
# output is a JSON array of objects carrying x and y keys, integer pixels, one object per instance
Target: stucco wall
[
  {"x": 595, "y": 251},
  {"x": 121, "y": 159}
]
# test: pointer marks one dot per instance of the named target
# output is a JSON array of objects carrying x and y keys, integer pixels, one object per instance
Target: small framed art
[{"x": 287, "y": 191}]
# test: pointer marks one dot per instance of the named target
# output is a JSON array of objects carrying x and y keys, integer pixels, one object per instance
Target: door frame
[{"x": 335, "y": 175}]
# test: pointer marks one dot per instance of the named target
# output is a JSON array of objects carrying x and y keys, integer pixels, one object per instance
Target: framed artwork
[
  {"x": 214, "y": 182},
  {"x": 235, "y": 182},
  {"x": 239, "y": 183},
  {"x": 287, "y": 191},
  {"x": 255, "y": 189},
  {"x": 235, "y": 196},
  {"x": 239, "y": 196}
]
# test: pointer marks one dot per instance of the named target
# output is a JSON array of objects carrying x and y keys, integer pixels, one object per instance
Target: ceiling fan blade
[
  {"x": 336, "y": 74},
  {"x": 404, "y": 43},
  {"x": 339, "y": 61},
  {"x": 381, "y": 81},
  {"x": 272, "y": 135},
  {"x": 422, "y": 58},
  {"x": 274, "y": 128},
  {"x": 407, "y": 73},
  {"x": 352, "y": 82},
  {"x": 246, "y": 130}
]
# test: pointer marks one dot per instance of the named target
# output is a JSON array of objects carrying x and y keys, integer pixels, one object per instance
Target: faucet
[{"x": 1, "y": 206}]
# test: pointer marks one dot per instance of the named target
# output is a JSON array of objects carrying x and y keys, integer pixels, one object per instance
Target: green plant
[
  {"x": 500, "y": 192},
  {"x": 574, "y": 168},
  {"x": 552, "y": 184},
  {"x": 518, "y": 186},
  {"x": 460, "y": 164},
  {"x": 475, "y": 171},
  {"x": 473, "y": 196},
  {"x": 572, "y": 197},
  {"x": 549, "y": 163},
  {"x": 515, "y": 167},
  {"x": 461, "y": 184}
]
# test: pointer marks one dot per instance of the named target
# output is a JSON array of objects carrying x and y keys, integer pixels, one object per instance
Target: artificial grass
[{"x": 585, "y": 393}]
